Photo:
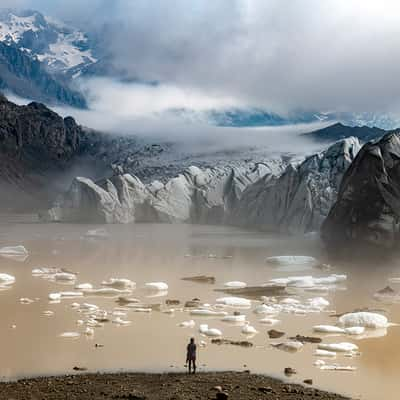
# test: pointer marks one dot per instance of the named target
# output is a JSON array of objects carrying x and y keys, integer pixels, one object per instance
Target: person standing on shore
[{"x": 191, "y": 356}]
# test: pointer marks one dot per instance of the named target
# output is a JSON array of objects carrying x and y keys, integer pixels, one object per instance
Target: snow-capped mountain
[{"x": 58, "y": 46}]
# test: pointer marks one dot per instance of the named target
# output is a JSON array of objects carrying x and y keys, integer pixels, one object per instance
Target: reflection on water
[{"x": 30, "y": 331}]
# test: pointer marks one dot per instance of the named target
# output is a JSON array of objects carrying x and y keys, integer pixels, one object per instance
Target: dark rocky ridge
[
  {"x": 339, "y": 131},
  {"x": 366, "y": 214}
]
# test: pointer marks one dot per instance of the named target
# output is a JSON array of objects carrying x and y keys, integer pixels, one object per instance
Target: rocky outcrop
[
  {"x": 299, "y": 200},
  {"x": 195, "y": 196},
  {"x": 367, "y": 210}
]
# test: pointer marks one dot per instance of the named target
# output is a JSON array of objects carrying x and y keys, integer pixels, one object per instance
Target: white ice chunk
[
  {"x": 266, "y": 309},
  {"x": 235, "y": 284},
  {"x": 70, "y": 335},
  {"x": 119, "y": 283},
  {"x": 14, "y": 251},
  {"x": 324, "y": 353},
  {"x": 64, "y": 276},
  {"x": 156, "y": 286},
  {"x": 234, "y": 301},
  {"x": 248, "y": 329},
  {"x": 289, "y": 346},
  {"x": 6, "y": 279},
  {"x": 292, "y": 260},
  {"x": 328, "y": 329},
  {"x": 343, "y": 347},
  {"x": 364, "y": 318},
  {"x": 84, "y": 286},
  {"x": 120, "y": 321},
  {"x": 234, "y": 318},
  {"x": 187, "y": 324},
  {"x": 269, "y": 321},
  {"x": 211, "y": 332},
  {"x": 208, "y": 313},
  {"x": 355, "y": 330}
]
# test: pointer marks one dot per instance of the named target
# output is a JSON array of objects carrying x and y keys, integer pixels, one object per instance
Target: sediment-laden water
[{"x": 32, "y": 344}]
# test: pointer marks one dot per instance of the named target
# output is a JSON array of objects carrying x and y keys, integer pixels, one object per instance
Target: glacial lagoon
[{"x": 39, "y": 336}]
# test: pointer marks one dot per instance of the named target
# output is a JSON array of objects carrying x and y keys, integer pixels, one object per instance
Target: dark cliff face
[
  {"x": 28, "y": 78},
  {"x": 39, "y": 150},
  {"x": 35, "y": 133},
  {"x": 366, "y": 215}
]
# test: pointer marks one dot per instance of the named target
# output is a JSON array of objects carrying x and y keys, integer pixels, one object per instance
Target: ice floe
[
  {"x": 269, "y": 321},
  {"x": 6, "y": 279},
  {"x": 208, "y": 313},
  {"x": 120, "y": 321},
  {"x": 234, "y": 301},
  {"x": 248, "y": 329},
  {"x": 84, "y": 286},
  {"x": 120, "y": 283},
  {"x": 70, "y": 335},
  {"x": 64, "y": 276},
  {"x": 328, "y": 329},
  {"x": 343, "y": 347},
  {"x": 161, "y": 286},
  {"x": 366, "y": 319},
  {"x": 291, "y": 260},
  {"x": 99, "y": 233},
  {"x": 234, "y": 318},
  {"x": 235, "y": 284},
  {"x": 324, "y": 353},
  {"x": 106, "y": 292},
  {"x": 211, "y": 332},
  {"x": 14, "y": 251},
  {"x": 187, "y": 324}
]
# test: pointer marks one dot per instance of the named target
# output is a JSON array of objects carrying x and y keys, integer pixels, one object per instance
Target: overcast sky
[{"x": 279, "y": 55}]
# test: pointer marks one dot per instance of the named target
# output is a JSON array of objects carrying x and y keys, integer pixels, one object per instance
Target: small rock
[
  {"x": 218, "y": 388},
  {"x": 265, "y": 389},
  {"x": 306, "y": 339},
  {"x": 289, "y": 371},
  {"x": 274, "y": 334},
  {"x": 79, "y": 368},
  {"x": 170, "y": 302},
  {"x": 308, "y": 381}
]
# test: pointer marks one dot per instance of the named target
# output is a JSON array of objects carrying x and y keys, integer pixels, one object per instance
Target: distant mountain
[
  {"x": 28, "y": 78},
  {"x": 58, "y": 46},
  {"x": 338, "y": 131}
]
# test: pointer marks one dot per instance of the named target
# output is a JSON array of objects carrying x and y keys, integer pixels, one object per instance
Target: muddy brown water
[{"x": 154, "y": 342}]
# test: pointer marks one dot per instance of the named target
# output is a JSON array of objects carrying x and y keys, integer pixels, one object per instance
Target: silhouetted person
[{"x": 191, "y": 356}]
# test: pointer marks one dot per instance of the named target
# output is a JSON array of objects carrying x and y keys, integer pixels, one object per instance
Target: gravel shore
[{"x": 140, "y": 386}]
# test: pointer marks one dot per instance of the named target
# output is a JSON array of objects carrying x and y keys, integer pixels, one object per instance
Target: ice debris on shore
[
  {"x": 120, "y": 283},
  {"x": 292, "y": 260},
  {"x": 365, "y": 319},
  {"x": 210, "y": 332}
]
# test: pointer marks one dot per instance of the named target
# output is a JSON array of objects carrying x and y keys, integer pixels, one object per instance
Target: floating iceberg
[
  {"x": 119, "y": 283},
  {"x": 248, "y": 329},
  {"x": 187, "y": 324},
  {"x": 292, "y": 260},
  {"x": 235, "y": 284},
  {"x": 84, "y": 286},
  {"x": 208, "y": 313},
  {"x": 234, "y": 301},
  {"x": 70, "y": 335},
  {"x": 325, "y": 353},
  {"x": 366, "y": 319},
  {"x": 234, "y": 318},
  {"x": 156, "y": 286},
  {"x": 338, "y": 347},
  {"x": 14, "y": 251},
  {"x": 211, "y": 332},
  {"x": 6, "y": 279},
  {"x": 328, "y": 329}
]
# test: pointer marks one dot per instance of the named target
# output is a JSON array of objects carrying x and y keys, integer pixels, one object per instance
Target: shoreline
[{"x": 160, "y": 386}]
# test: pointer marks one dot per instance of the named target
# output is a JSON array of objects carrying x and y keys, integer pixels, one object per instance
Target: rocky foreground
[{"x": 221, "y": 385}]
